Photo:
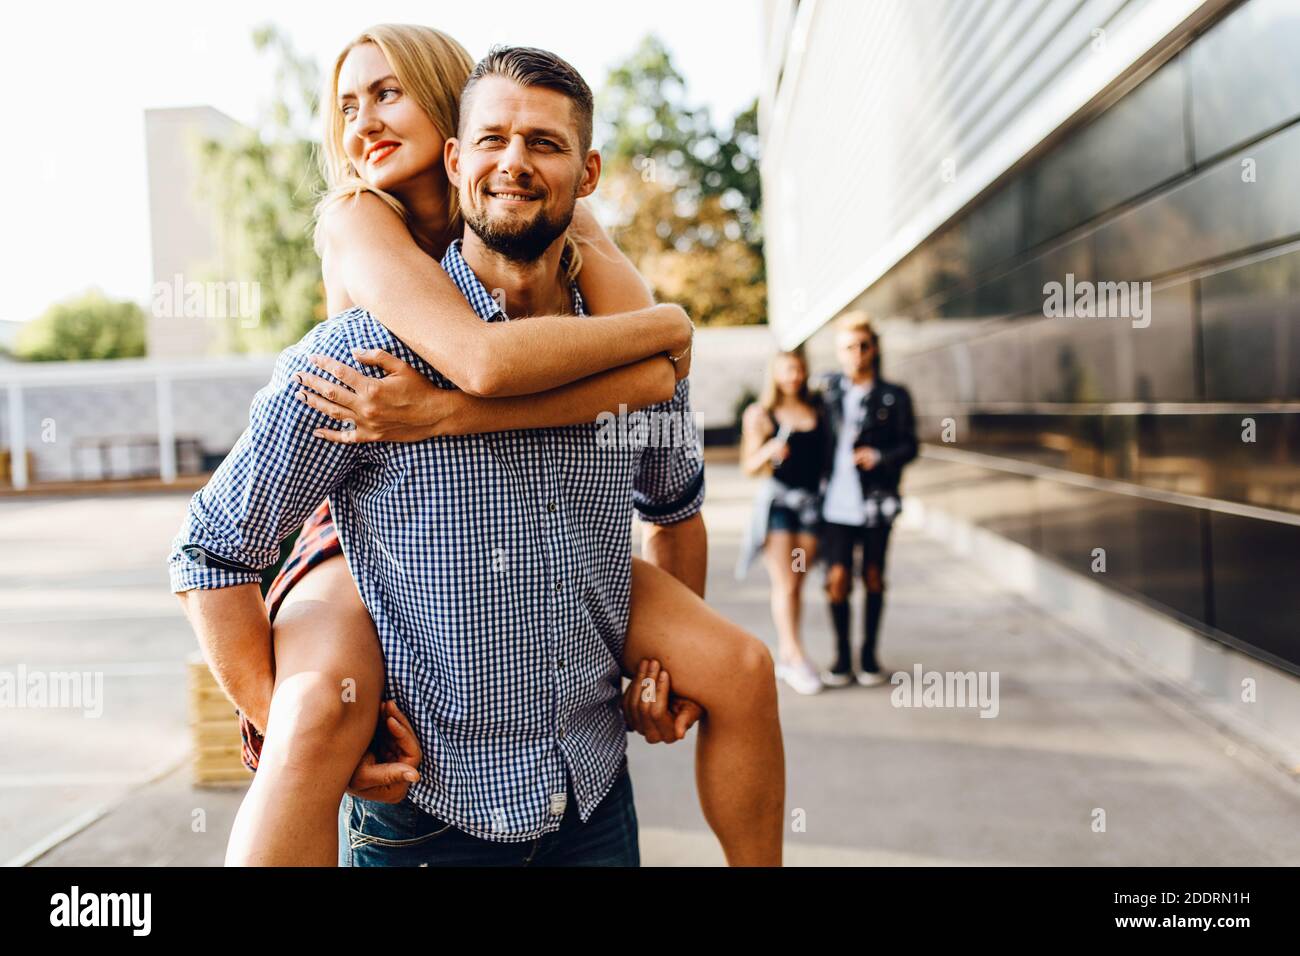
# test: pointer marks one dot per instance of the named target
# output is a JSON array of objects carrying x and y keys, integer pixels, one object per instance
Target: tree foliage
[
  {"x": 88, "y": 326},
  {"x": 684, "y": 195},
  {"x": 264, "y": 183}
]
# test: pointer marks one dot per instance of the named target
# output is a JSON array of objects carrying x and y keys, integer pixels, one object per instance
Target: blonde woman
[
  {"x": 784, "y": 439},
  {"x": 391, "y": 104}
]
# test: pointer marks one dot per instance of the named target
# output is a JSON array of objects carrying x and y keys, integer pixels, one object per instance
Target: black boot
[
  {"x": 875, "y": 606},
  {"x": 842, "y": 671}
]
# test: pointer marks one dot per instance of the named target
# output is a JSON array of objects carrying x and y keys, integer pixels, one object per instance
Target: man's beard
[{"x": 516, "y": 240}]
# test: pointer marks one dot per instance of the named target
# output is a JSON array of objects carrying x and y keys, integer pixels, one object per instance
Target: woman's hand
[
  {"x": 402, "y": 406},
  {"x": 653, "y": 711},
  {"x": 775, "y": 450}
]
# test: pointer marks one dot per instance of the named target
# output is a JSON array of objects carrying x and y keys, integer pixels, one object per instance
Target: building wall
[
  {"x": 893, "y": 115},
  {"x": 1174, "y": 446},
  {"x": 184, "y": 231}
]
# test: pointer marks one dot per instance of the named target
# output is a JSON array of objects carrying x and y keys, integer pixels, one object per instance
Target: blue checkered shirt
[{"x": 497, "y": 568}]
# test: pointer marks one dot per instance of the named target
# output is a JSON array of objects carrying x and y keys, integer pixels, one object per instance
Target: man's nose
[{"x": 515, "y": 161}]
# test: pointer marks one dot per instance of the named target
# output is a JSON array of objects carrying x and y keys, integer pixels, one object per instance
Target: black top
[{"x": 803, "y": 467}]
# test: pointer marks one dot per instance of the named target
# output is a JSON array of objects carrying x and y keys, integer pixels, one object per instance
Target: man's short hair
[
  {"x": 529, "y": 66},
  {"x": 856, "y": 320}
]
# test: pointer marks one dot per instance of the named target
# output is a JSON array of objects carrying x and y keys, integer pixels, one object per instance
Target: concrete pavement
[{"x": 1078, "y": 734}]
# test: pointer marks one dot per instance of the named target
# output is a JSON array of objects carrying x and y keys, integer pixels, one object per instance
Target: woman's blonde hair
[
  {"x": 432, "y": 68},
  {"x": 770, "y": 394}
]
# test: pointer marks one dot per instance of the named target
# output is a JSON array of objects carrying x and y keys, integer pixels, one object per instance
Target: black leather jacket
[{"x": 888, "y": 426}]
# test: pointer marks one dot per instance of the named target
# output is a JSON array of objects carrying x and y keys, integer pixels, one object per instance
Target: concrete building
[
  {"x": 1077, "y": 225},
  {"x": 185, "y": 233}
]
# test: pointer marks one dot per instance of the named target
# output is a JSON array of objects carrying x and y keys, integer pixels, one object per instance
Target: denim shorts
[
  {"x": 401, "y": 834},
  {"x": 781, "y": 518}
]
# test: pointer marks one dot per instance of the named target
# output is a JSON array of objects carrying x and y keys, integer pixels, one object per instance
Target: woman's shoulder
[
  {"x": 339, "y": 216},
  {"x": 756, "y": 418},
  {"x": 816, "y": 399}
]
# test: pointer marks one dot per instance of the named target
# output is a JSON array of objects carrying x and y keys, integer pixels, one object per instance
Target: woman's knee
[
  {"x": 786, "y": 590},
  {"x": 312, "y": 710},
  {"x": 329, "y": 676},
  {"x": 752, "y": 685}
]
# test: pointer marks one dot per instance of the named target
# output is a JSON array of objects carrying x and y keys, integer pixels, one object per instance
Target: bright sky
[{"x": 78, "y": 77}]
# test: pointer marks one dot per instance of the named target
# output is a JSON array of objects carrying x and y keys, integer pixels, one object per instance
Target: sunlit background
[{"x": 1133, "y": 485}]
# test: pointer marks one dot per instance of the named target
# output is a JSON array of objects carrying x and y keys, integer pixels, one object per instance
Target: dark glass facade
[{"x": 1173, "y": 446}]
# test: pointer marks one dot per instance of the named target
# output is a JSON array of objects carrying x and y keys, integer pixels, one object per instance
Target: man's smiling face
[{"x": 520, "y": 166}]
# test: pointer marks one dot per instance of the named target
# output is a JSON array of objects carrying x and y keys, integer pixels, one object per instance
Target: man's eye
[
  {"x": 545, "y": 143},
  {"x": 491, "y": 139}
]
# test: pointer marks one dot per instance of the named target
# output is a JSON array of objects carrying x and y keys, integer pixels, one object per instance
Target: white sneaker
[
  {"x": 871, "y": 678},
  {"x": 837, "y": 679},
  {"x": 801, "y": 677}
]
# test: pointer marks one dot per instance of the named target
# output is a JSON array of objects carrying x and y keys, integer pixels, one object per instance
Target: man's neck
[
  {"x": 530, "y": 288},
  {"x": 862, "y": 380}
]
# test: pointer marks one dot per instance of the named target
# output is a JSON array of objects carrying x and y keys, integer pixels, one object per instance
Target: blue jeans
[{"x": 401, "y": 834}]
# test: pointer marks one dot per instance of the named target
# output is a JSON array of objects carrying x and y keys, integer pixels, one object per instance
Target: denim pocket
[{"x": 391, "y": 824}]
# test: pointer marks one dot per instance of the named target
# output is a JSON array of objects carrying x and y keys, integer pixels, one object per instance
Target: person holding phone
[{"x": 783, "y": 438}]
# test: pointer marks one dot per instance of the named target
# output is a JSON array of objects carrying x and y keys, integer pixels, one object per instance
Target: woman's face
[
  {"x": 389, "y": 139},
  {"x": 789, "y": 374}
]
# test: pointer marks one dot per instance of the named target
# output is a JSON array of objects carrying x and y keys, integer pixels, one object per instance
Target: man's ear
[
  {"x": 451, "y": 160},
  {"x": 590, "y": 173}
]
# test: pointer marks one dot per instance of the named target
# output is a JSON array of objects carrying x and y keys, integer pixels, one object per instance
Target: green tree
[
  {"x": 88, "y": 326},
  {"x": 264, "y": 184},
  {"x": 685, "y": 195}
]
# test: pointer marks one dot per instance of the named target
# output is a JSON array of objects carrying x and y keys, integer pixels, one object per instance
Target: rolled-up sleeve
[
  {"x": 274, "y": 477},
  {"x": 669, "y": 483}
]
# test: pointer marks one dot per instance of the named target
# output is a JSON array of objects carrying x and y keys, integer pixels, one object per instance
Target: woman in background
[{"x": 784, "y": 438}]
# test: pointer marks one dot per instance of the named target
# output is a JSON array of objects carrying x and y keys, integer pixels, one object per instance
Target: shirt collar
[{"x": 480, "y": 300}]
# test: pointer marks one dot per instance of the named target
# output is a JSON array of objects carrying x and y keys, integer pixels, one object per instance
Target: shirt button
[
  {"x": 551, "y": 506},
  {"x": 559, "y": 586},
  {"x": 558, "y": 802}
]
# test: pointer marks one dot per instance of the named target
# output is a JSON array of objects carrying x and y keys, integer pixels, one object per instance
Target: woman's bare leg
[
  {"x": 739, "y": 758},
  {"x": 787, "y": 576},
  {"x": 329, "y": 673}
]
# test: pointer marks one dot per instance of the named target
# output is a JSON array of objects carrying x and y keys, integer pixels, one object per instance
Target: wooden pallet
[{"x": 214, "y": 730}]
